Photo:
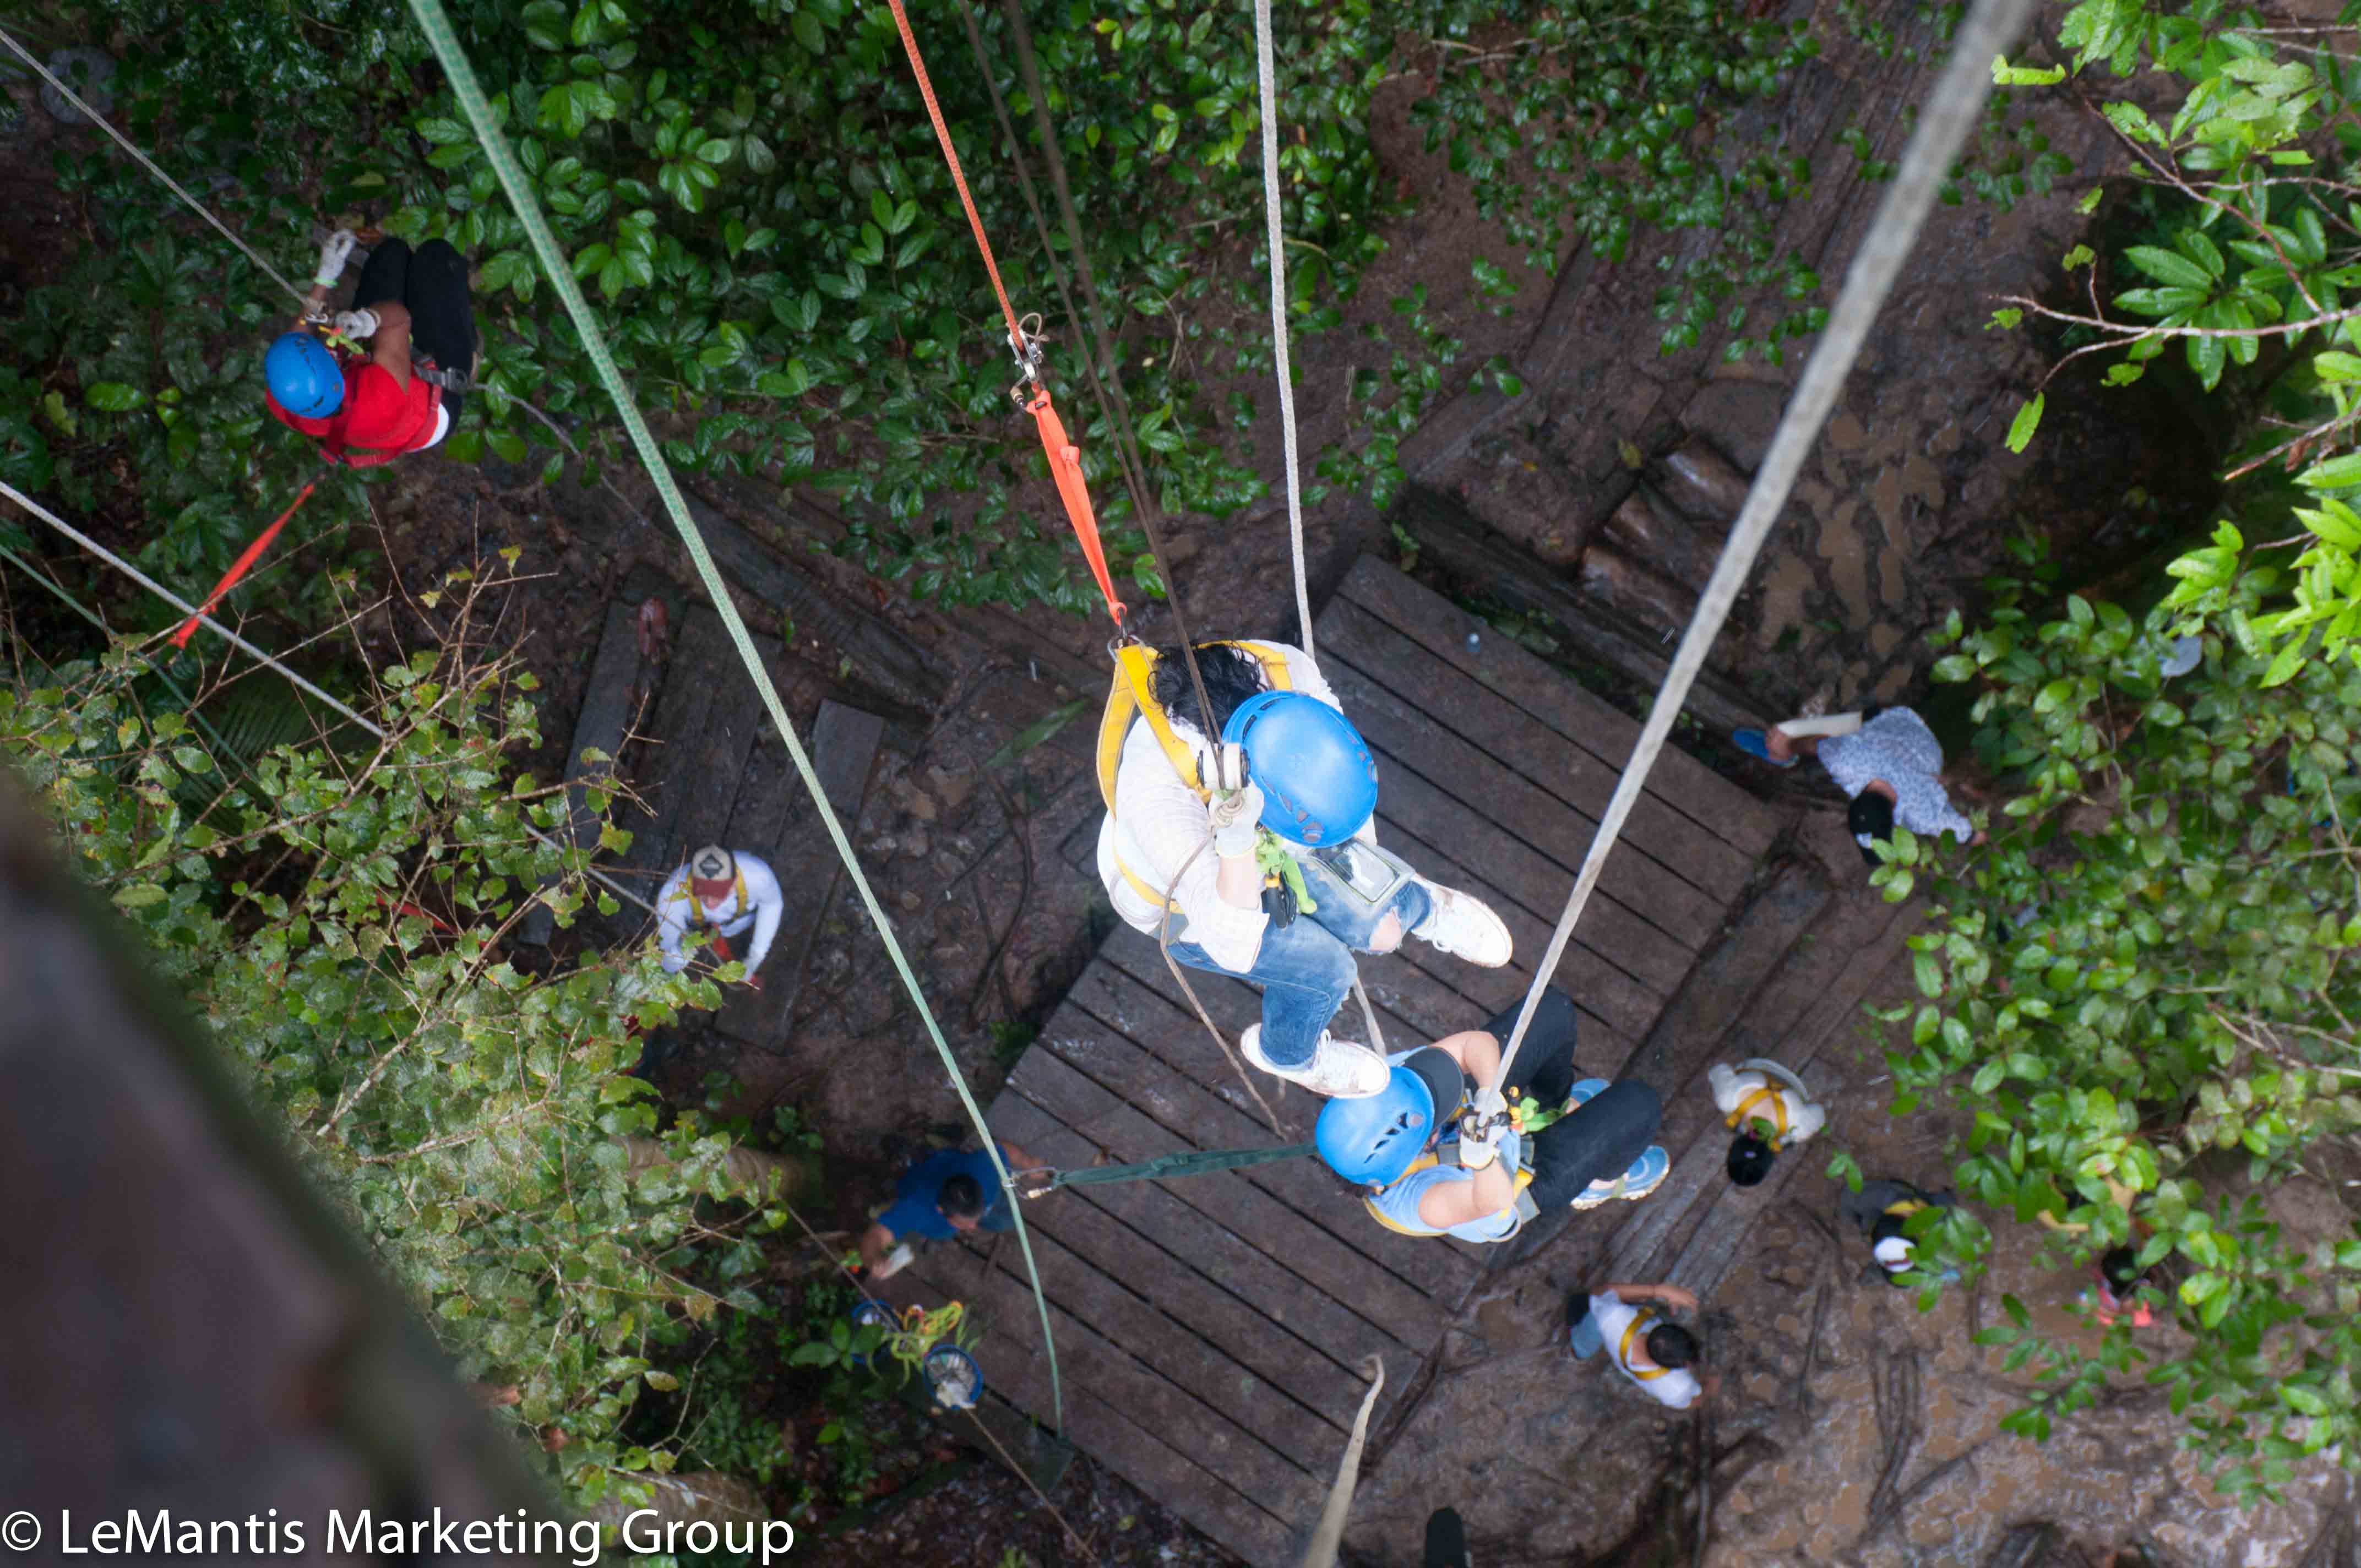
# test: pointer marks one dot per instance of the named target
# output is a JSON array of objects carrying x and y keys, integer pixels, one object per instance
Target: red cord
[{"x": 238, "y": 568}]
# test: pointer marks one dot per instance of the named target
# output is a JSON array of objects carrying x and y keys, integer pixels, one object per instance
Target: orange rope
[
  {"x": 959, "y": 179},
  {"x": 1065, "y": 458},
  {"x": 238, "y": 568}
]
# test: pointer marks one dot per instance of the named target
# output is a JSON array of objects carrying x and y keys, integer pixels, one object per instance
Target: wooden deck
[{"x": 1210, "y": 1329}]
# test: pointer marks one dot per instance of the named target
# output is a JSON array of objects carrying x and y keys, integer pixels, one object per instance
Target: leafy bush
[
  {"x": 2139, "y": 990},
  {"x": 331, "y": 910}
]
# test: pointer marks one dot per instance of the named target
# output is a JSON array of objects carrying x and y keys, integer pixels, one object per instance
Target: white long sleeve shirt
[
  {"x": 677, "y": 909},
  {"x": 1159, "y": 822},
  {"x": 1732, "y": 1087}
]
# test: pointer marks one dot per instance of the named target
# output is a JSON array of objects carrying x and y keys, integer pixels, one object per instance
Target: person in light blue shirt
[{"x": 1404, "y": 1144}]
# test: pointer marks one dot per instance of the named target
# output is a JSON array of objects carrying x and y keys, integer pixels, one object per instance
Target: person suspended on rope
[
  {"x": 1768, "y": 1107},
  {"x": 1425, "y": 1178},
  {"x": 950, "y": 1192},
  {"x": 1661, "y": 1359},
  {"x": 1298, "y": 839},
  {"x": 1885, "y": 760},
  {"x": 1882, "y": 1212},
  {"x": 725, "y": 891},
  {"x": 404, "y": 395}
]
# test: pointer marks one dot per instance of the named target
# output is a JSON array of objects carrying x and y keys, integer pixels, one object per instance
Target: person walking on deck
[
  {"x": 728, "y": 892},
  {"x": 1767, "y": 1106},
  {"x": 1266, "y": 847},
  {"x": 1425, "y": 1179},
  {"x": 1661, "y": 1359},
  {"x": 1885, "y": 760}
]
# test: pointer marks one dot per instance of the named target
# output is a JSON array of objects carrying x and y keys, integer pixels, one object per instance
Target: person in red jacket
[{"x": 415, "y": 312}]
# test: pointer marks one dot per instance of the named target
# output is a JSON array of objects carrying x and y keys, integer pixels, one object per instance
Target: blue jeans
[
  {"x": 1306, "y": 970},
  {"x": 1584, "y": 1333}
]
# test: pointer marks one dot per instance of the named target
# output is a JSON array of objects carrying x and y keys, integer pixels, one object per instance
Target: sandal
[{"x": 1755, "y": 745}]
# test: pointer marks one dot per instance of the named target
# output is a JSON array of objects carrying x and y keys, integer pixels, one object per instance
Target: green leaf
[
  {"x": 2336, "y": 474},
  {"x": 2028, "y": 420},
  {"x": 2169, "y": 267},
  {"x": 114, "y": 397},
  {"x": 2336, "y": 366},
  {"x": 442, "y": 132},
  {"x": 807, "y": 32},
  {"x": 139, "y": 895}
]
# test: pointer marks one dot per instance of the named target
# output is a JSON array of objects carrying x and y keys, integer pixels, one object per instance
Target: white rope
[
  {"x": 260, "y": 655},
  {"x": 148, "y": 163},
  {"x": 1957, "y": 104},
  {"x": 1267, "y": 72}
]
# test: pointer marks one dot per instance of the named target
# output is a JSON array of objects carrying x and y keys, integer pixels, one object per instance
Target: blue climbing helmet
[
  {"x": 1319, "y": 783},
  {"x": 1372, "y": 1138},
  {"x": 304, "y": 376}
]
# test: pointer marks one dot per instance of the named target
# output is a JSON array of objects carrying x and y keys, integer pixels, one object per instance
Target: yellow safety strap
[
  {"x": 1428, "y": 1161},
  {"x": 1778, "y": 1112},
  {"x": 1132, "y": 695},
  {"x": 1623, "y": 1350},
  {"x": 696, "y": 915}
]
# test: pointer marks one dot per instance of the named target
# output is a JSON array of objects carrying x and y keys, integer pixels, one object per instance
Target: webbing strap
[
  {"x": 1194, "y": 1162},
  {"x": 436, "y": 24},
  {"x": 238, "y": 568}
]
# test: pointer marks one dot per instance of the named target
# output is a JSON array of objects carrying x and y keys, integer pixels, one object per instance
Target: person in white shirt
[
  {"x": 725, "y": 891},
  {"x": 1768, "y": 1108},
  {"x": 1658, "y": 1357},
  {"x": 1885, "y": 760},
  {"x": 1308, "y": 796}
]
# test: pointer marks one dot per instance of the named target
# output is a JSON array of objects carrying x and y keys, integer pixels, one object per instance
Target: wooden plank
[
  {"x": 699, "y": 670},
  {"x": 1311, "y": 1324},
  {"x": 1441, "y": 627},
  {"x": 706, "y": 770},
  {"x": 1292, "y": 1243},
  {"x": 1656, "y": 945},
  {"x": 843, "y": 746},
  {"x": 1181, "y": 1282},
  {"x": 1129, "y": 1012},
  {"x": 1603, "y": 986},
  {"x": 1140, "y": 1453},
  {"x": 1498, "y": 569},
  {"x": 1448, "y": 699},
  {"x": 1203, "y": 1423},
  {"x": 1402, "y": 739},
  {"x": 603, "y": 721}
]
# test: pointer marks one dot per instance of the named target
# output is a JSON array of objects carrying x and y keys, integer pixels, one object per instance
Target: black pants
[
  {"x": 1604, "y": 1134},
  {"x": 431, "y": 283}
]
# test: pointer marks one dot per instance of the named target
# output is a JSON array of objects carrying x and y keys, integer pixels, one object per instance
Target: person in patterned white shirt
[{"x": 1885, "y": 760}]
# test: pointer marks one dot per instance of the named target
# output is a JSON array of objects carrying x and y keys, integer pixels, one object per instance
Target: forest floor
[{"x": 977, "y": 797}]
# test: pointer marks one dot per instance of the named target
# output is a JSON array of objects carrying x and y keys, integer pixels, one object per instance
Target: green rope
[
  {"x": 436, "y": 26},
  {"x": 1194, "y": 1163}
]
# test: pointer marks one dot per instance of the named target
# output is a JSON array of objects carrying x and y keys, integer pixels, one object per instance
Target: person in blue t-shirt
[{"x": 942, "y": 1196}]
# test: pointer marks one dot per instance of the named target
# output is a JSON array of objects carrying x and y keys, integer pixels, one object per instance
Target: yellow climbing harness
[
  {"x": 1448, "y": 1154},
  {"x": 697, "y": 913},
  {"x": 1744, "y": 1114},
  {"x": 1624, "y": 1349},
  {"x": 1132, "y": 695}
]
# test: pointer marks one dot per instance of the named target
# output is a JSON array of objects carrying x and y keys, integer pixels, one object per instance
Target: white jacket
[
  {"x": 1732, "y": 1087},
  {"x": 677, "y": 909},
  {"x": 1159, "y": 822}
]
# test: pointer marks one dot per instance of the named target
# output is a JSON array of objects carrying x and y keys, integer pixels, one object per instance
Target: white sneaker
[
  {"x": 1462, "y": 926},
  {"x": 1339, "y": 1069}
]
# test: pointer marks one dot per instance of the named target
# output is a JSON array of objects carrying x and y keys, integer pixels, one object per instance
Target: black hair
[
  {"x": 1671, "y": 1345},
  {"x": 1749, "y": 1160},
  {"x": 2121, "y": 1269},
  {"x": 1888, "y": 1226},
  {"x": 959, "y": 1197},
  {"x": 1872, "y": 813},
  {"x": 1232, "y": 675}
]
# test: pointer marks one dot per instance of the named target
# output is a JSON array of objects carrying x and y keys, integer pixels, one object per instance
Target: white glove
[
  {"x": 1488, "y": 1102},
  {"x": 1475, "y": 1154},
  {"x": 1235, "y": 816},
  {"x": 894, "y": 1262},
  {"x": 332, "y": 258},
  {"x": 356, "y": 325}
]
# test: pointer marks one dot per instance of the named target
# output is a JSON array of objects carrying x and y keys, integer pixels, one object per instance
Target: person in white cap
[
  {"x": 727, "y": 894},
  {"x": 1767, "y": 1107}
]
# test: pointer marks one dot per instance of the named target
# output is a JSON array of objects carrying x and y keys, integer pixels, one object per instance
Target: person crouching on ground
[
  {"x": 1886, "y": 761},
  {"x": 1662, "y": 1360},
  {"x": 1768, "y": 1107},
  {"x": 950, "y": 1192},
  {"x": 1403, "y": 1144},
  {"x": 405, "y": 396},
  {"x": 1277, "y": 881}
]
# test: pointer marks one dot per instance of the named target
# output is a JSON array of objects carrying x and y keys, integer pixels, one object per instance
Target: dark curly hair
[
  {"x": 1232, "y": 675},
  {"x": 1671, "y": 1345}
]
